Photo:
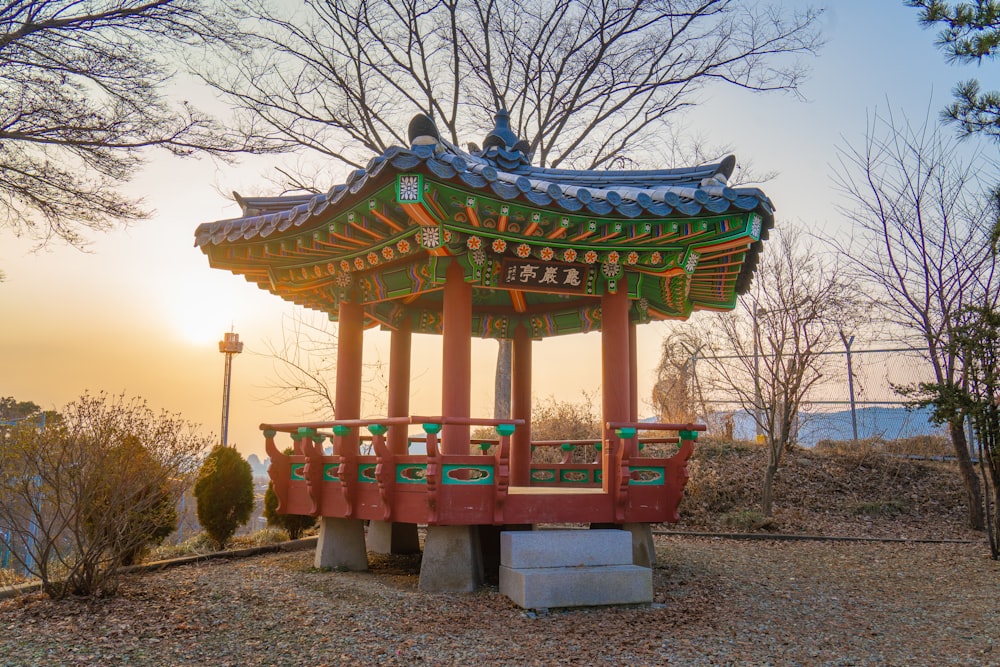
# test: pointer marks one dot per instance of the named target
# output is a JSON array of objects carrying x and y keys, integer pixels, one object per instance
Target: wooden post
[
  {"x": 456, "y": 376},
  {"x": 520, "y": 451},
  {"x": 615, "y": 384},
  {"x": 633, "y": 374},
  {"x": 341, "y": 542},
  {"x": 350, "y": 344},
  {"x": 399, "y": 383},
  {"x": 633, "y": 380}
]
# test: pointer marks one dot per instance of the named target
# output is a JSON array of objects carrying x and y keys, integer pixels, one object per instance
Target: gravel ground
[{"x": 718, "y": 602}]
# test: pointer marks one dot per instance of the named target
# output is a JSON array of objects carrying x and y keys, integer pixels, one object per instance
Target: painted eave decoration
[{"x": 539, "y": 246}]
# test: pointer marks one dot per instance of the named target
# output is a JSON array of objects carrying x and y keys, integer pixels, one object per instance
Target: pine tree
[{"x": 224, "y": 492}]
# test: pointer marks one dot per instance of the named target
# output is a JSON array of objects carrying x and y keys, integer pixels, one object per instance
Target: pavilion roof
[{"x": 677, "y": 239}]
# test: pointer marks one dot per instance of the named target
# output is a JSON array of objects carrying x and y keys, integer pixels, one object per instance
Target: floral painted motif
[
  {"x": 613, "y": 256},
  {"x": 632, "y": 258},
  {"x": 523, "y": 250},
  {"x": 473, "y": 243},
  {"x": 590, "y": 257},
  {"x": 330, "y": 268},
  {"x": 692, "y": 262},
  {"x": 359, "y": 263},
  {"x": 388, "y": 252},
  {"x": 499, "y": 245},
  {"x": 447, "y": 236},
  {"x": 479, "y": 257},
  {"x": 655, "y": 258},
  {"x": 343, "y": 279},
  {"x": 611, "y": 269},
  {"x": 372, "y": 258},
  {"x": 403, "y": 246},
  {"x": 547, "y": 254},
  {"x": 409, "y": 188},
  {"x": 430, "y": 237},
  {"x": 317, "y": 271},
  {"x": 569, "y": 255},
  {"x": 345, "y": 265}
]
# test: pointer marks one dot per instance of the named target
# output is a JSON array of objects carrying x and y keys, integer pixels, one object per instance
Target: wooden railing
[{"x": 620, "y": 469}]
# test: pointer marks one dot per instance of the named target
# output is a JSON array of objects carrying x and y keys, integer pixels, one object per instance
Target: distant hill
[{"x": 258, "y": 467}]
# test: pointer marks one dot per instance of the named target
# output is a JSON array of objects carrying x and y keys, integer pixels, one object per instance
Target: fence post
[{"x": 850, "y": 385}]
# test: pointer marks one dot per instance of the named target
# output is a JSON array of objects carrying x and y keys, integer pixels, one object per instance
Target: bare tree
[
  {"x": 585, "y": 81},
  {"x": 82, "y": 96},
  {"x": 86, "y": 493},
  {"x": 776, "y": 338},
  {"x": 305, "y": 366},
  {"x": 677, "y": 396},
  {"x": 923, "y": 217}
]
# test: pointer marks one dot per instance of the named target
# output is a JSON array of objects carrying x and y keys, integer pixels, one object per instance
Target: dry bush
[{"x": 89, "y": 491}]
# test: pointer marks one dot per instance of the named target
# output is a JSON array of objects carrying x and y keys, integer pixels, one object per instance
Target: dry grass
[{"x": 858, "y": 491}]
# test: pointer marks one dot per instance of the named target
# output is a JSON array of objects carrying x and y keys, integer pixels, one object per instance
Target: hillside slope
[{"x": 861, "y": 492}]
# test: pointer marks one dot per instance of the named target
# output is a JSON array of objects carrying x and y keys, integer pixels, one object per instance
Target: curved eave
[
  {"x": 676, "y": 193},
  {"x": 679, "y": 246}
]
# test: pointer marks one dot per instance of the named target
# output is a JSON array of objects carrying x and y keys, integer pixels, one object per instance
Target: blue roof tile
[{"x": 504, "y": 169}]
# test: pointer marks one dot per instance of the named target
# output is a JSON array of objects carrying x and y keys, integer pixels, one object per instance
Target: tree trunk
[
  {"x": 501, "y": 386},
  {"x": 766, "y": 499},
  {"x": 973, "y": 488}
]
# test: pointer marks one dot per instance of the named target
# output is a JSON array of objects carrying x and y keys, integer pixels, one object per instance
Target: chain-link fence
[{"x": 856, "y": 398}]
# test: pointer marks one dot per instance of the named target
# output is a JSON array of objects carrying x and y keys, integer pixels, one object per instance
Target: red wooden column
[
  {"x": 456, "y": 376},
  {"x": 399, "y": 382},
  {"x": 520, "y": 403},
  {"x": 633, "y": 374},
  {"x": 341, "y": 542},
  {"x": 615, "y": 384},
  {"x": 350, "y": 343},
  {"x": 615, "y": 357}
]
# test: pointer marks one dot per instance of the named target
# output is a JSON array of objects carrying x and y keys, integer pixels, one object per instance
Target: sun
[{"x": 200, "y": 321}]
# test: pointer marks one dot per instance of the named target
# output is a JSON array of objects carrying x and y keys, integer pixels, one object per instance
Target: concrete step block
[
  {"x": 565, "y": 548},
  {"x": 538, "y": 588}
]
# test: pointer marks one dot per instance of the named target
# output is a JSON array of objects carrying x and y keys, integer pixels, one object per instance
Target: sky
[{"x": 140, "y": 313}]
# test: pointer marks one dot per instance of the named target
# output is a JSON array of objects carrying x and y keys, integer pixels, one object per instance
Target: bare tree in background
[
  {"x": 305, "y": 366},
  {"x": 776, "y": 337},
  {"x": 82, "y": 96},
  {"x": 677, "y": 396},
  {"x": 586, "y": 81},
  {"x": 923, "y": 216}
]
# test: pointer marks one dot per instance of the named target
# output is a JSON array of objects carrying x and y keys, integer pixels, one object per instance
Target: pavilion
[{"x": 460, "y": 243}]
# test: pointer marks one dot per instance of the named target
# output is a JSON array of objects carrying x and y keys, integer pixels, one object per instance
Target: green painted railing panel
[
  {"x": 411, "y": 473},
  {"x": 647, "y": 476},
  {"x": 574, "y": 476},
  {"x": 466, "y": 474}
]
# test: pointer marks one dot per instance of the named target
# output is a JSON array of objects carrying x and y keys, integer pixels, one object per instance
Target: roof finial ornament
[
  {"x": 423, "y": 131},
  {"x": 501, "y": 136},
  {"x": 503, "y": 147}
]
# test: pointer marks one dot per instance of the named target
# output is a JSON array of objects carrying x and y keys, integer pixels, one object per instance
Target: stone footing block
[
  {"x": 388, "y": 537},
  {"x": 565, "y": 548},
  {"x": 452, "y": 560},
  {"x": 572, "y": 568},
  {"x": 545, "y": 587},
  {"x": 341, "y": 544}
]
